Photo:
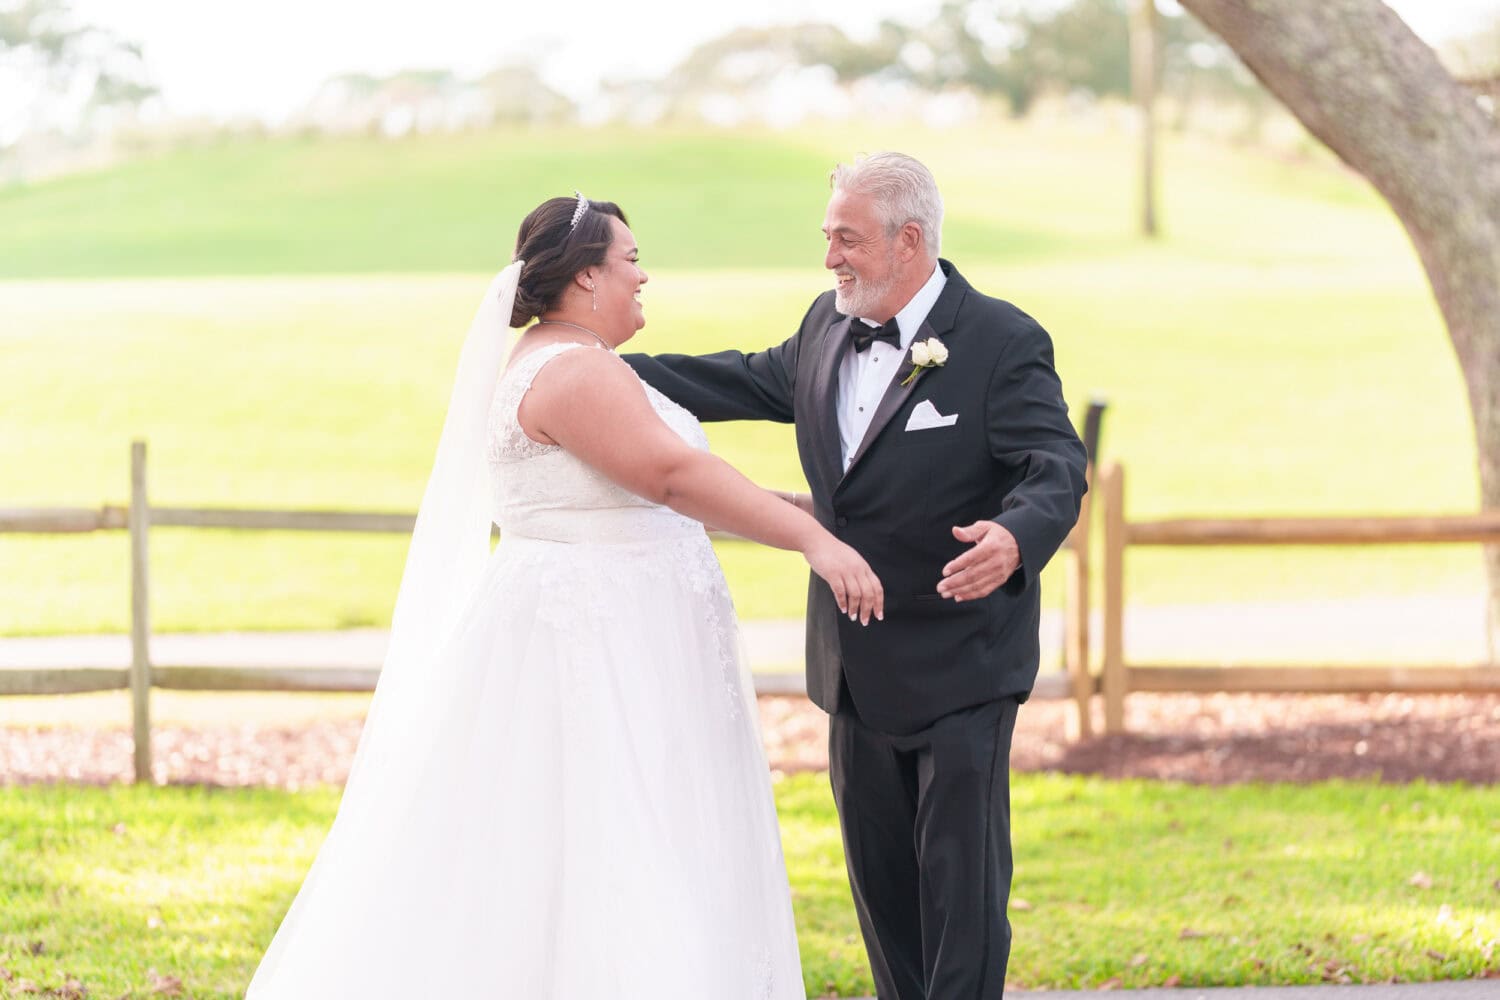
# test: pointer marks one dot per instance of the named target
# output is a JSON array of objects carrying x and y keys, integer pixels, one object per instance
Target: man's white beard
[{"x": 863, "y": 295}]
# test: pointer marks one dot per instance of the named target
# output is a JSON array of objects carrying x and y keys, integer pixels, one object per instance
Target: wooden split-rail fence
[{"x": 1107, "y": 676}]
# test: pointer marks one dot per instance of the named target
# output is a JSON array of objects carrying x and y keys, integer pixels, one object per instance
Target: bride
[{"x": 560, "y": 792}]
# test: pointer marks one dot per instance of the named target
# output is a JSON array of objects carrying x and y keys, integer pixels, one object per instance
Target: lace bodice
[{"x": 541, "y": 491}]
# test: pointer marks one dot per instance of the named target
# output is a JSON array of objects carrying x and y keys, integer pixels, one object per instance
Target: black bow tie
[{"x": 864, "y": 335}]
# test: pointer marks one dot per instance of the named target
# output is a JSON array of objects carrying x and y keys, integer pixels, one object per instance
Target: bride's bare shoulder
[
  {"x": 528, "y": 347},
  {"x": 574, "y": 363},
  {"x": 583, "y": 384}
]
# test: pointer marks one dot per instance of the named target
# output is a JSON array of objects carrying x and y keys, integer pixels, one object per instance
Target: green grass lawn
[
  {"x": 1138, "y": 882},
  {"x": 1276, "y": 353}
]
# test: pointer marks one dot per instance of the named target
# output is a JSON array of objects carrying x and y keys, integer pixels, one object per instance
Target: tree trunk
[
  {"x": 1375, "y": 93},
  {"x": 1145, "y": 64}
]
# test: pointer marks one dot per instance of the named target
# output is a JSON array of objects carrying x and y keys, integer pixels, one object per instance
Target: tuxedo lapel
[
  {"x": 939, "y": 321},
  {"x": 829, "y": 450},
  {"x": 945, "y": 310}
]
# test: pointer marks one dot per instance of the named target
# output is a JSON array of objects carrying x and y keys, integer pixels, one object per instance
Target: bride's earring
[{"x": 595, "y": 296}]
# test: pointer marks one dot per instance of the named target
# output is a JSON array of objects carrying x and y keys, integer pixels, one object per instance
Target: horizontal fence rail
[
  {"x": 85, "y": 680},
  {"x": 281, "y": 520},
  {"x": 1315, "y": 679},
  {"x": 1317, "y": 530},
  {"x": 62, "y": 520}
]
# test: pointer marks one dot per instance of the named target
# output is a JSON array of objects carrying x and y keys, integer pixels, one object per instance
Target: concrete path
[
  {"x": 1464, "y": 989},
  {"x": 1395, "y": 631},
  {"x": 1467, "y": 989}
]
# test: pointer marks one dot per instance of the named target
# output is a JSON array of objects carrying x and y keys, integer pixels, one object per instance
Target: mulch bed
[
  {"x": 1220, "y": 739},
  {"x": 1206, "y": 739}
]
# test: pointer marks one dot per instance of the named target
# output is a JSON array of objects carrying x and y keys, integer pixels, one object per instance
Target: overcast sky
[{"x": 265, "y": 58}]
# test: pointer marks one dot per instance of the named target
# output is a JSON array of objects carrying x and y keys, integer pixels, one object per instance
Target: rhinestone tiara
[{"x": 583, "y": 206}]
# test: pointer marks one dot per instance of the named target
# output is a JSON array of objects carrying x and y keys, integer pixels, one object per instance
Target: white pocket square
[{"x": 925, "y": 415}]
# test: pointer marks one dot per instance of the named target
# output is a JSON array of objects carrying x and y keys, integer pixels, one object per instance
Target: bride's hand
[{"x": 855, "y": 586}]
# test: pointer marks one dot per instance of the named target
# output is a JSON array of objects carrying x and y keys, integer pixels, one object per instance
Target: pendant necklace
[{"x": 562, "y": 322}]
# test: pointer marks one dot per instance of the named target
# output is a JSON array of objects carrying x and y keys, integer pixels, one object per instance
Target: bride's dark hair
[{"x": 555, "y": 250}]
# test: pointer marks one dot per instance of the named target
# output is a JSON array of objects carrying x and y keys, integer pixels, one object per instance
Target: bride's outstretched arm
[
  {"x": 802, "y": 501},
  {"x": 592, "y": 404}
]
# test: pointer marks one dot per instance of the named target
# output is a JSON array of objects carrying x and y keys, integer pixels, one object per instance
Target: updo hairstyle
[{"x": 555, "y": 251}]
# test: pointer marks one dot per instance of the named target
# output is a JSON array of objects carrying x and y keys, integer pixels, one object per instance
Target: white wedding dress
[{"x": 573, "y": 804}]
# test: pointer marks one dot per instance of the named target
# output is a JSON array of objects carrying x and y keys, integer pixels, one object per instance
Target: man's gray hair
[{"x": 903, "y": 189}]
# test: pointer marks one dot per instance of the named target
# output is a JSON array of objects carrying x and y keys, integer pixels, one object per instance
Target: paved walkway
[
  {"x": 1464, "y": 989},
  {"x": 1395, "y": 631},
  {"x": 1468, "y": 989}
]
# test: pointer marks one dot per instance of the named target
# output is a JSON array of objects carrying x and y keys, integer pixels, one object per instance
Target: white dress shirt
[{"x": 865, "y": 375}]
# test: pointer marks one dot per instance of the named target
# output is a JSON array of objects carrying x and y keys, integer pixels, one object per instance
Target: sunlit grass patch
[{"x": 1144, "y": 883}]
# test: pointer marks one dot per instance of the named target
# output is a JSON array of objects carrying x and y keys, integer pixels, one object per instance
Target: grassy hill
[
  {"x": 719, "y": 200},
  {"x": 280, "y": 321}
]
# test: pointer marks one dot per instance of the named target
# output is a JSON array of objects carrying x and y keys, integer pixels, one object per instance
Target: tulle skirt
[{"x": 573, "y": 804}]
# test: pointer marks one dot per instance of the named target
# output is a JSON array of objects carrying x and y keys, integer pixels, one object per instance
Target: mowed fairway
[{"x": 1277, "y": 353}]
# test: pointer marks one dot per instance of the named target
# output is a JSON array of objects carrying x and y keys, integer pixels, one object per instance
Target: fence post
[
  {"x": 1113, "y": 679},
  {"x": 140, "y": 613},
  {"x": 1076, "y": 635}
]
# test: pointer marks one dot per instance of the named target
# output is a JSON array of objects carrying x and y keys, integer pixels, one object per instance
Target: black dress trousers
[{"x": 926, "y": 822}]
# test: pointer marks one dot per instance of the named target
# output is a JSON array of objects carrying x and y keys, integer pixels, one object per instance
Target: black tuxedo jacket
[{"x": 1012, "y": 456}]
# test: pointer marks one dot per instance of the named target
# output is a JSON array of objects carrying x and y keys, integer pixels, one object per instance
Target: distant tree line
[
  {"x": 69, "y": 71},
  {"x": 1015, "y": 51}
]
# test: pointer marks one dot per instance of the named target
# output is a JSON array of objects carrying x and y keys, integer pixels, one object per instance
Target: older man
[{"x": 933, "y": 433}]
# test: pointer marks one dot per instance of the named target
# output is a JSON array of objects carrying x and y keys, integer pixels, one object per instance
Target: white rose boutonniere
[{"x": 929, "y": 353}]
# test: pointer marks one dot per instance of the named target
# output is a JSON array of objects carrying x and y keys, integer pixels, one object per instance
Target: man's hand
[{"x": 976, "y": 573}]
